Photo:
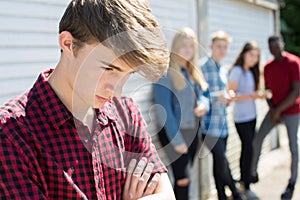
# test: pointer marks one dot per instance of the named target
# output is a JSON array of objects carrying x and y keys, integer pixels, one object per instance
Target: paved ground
[
  {"x": 274, "y": 169},
  {"x": 274, "y": 172}
]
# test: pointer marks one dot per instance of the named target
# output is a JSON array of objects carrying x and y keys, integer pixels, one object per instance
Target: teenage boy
[
  {"x": 71, "y": 136},
  {"x": 282, "y": 78},
  {"x": 214, "y": 124}
]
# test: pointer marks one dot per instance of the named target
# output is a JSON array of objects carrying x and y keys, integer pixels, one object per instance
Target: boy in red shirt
[{"x": 282, "y": 77}]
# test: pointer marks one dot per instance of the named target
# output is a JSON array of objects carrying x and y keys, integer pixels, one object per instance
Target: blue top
[
  {"x": 178, "y": 106},
  {"x": 214, "y": 123},
  {"x": 244, "y": 111}
]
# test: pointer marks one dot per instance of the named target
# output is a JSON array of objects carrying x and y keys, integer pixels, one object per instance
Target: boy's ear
[{"x": 65, "y": 42}]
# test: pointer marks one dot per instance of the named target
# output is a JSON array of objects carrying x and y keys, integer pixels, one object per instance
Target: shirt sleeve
[
  {"x": 266, "y": 76},
  {"x": 163, "y": 96},
  {"x": 17, "y": 180},
  {"x": 235, "y": 74},
  {"x": 202, "y": 99},
  {"x": 140, "y": 140},
  {"x": 295, "y": 70}
]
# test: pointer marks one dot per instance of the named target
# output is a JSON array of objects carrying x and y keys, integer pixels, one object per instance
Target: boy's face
[
  {"x": 98, "y": 76},
  {"x": 276, "y": 47},
  {"x": 219, "y": 49}
]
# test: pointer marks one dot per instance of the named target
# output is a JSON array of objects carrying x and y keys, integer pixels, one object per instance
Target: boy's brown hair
[{"x": 125, "y": 26}]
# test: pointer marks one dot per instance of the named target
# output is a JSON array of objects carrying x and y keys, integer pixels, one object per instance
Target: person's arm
[
  {"x": 269, "y": 97},
  {"x": 139, "y": 185},
  {"x": 162, "y": 93},
  {"x": 203, "y": 105},
  {"x": 163, "y": 191},
  {"x": 291, "y": 98},
  {"x": 18, "y": 179},
  {"x": 232, "y": 85},
  {"x": 287, "y": 102},
  {"x": 141, "y": 149}
]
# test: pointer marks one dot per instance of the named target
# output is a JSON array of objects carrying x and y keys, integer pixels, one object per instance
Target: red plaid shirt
[{"x": 47, "y": 154}]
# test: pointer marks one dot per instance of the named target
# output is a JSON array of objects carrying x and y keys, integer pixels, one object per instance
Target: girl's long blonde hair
[{"x": 192, "y": 67}]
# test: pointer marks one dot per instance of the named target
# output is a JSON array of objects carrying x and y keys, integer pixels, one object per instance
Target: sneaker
[
  {"x": 250, "y": 195},
  {"x": 254, "y": 178},
  {"x": 238, "y": 196},
  {"x": 241, "y": 187},
  {"x": 288, "y": 192}
]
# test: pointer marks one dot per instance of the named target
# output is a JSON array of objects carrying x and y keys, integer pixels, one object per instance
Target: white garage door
[
  {"x": 244, "y": 22},
  {"x": 28, "y": 42}
]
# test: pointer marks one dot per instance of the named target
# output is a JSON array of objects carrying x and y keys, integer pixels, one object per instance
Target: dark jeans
[
  {"x": 181, "y": 163},
  {"x": 221, "y": 170},
  {"x": 246, "y": 131}
]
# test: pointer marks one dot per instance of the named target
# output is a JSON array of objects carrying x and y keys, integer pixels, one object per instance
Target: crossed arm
[{"x": 140, "y": 185}]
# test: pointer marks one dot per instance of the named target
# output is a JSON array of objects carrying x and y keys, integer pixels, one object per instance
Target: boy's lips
[{"x": 100, "y": 98}]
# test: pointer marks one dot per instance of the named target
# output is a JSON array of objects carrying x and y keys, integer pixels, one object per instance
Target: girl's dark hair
[{"x": 240, "y": 61}]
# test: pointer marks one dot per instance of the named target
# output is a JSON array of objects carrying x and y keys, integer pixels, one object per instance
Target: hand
[
  {"x": 200, "y": 110},
  {"x": 259, "y": 95},
  {"x": 227, "y": 96},
  {"x": 275, "y": 115},
  {"x": 182, "y": 149},
  {"x": 137, "y": 182}
]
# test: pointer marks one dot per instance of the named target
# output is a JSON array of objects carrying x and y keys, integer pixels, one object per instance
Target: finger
[
  {"x": 196, "y": 112},
  {"x": 140, "y": 167},
  {"x": 136, "y": 175},
  {"x": 130, "y": 169},
  {"x": 142, "y": 183},
  {"x": 181, "y": 149},
  {"x": 152, "y": 185}
]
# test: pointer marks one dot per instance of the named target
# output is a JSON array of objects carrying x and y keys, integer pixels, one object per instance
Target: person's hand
[
  {"x": 275, "y": 115},
  {"x": 200, "y": 110},
  {"x": 259, "y": 95},
  {"x": 227, "y": 96},
  {"x": 182, "y": 149},
  {"x": 137, "y": 182}
]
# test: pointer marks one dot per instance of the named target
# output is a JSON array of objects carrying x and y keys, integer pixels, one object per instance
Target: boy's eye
[{"x": 107, "y": 68}]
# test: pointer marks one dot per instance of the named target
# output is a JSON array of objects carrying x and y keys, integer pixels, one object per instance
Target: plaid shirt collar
[
  {"x": 215, "y": 64},
  {"x": 54, "y": 105}
]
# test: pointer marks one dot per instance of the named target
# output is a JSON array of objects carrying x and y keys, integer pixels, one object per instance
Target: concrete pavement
[{"x": 274, "y": 172}]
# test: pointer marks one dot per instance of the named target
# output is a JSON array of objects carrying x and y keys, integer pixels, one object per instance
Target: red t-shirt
[{"x": 279, "y": 77}]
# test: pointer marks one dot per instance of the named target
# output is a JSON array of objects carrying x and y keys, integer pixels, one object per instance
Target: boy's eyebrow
[{"x": 112, "y": 66}]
